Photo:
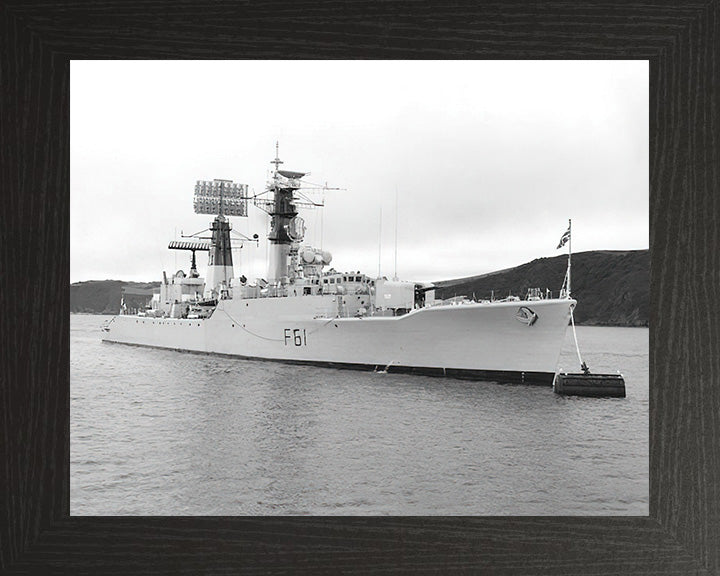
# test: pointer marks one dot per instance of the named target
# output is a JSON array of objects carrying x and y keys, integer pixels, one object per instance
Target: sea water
[{"x": 159, "y": 432}]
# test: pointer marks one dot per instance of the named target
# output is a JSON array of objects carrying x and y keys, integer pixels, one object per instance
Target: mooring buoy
[{"x": 587, "y": 384}]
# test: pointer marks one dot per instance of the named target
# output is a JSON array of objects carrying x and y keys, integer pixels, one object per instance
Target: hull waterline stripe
[{"x": 498, "y": 376}]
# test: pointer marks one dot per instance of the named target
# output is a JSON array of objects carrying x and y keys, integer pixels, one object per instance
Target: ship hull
[{"x": 484, "y": 341}]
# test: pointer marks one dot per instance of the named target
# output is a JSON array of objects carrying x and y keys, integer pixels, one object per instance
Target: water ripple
[{"x": 156, "y": 432}]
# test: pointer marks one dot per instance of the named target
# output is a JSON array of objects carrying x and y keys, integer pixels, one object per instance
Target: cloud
[{"x": 488, "y": 159}]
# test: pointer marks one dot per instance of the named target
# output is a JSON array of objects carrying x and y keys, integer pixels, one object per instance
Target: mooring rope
[{"x": 572, "y": 321}]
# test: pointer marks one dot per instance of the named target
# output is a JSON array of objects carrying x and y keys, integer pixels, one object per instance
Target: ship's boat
[{"x": 304, "y": 312}]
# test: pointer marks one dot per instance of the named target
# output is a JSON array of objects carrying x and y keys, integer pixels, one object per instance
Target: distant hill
[
  {"x": 103, "y": 296},
  {"x": 612, "y": 287}
]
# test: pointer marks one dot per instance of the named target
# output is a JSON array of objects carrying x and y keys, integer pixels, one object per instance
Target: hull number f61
[{"x": 295, "y": 336}]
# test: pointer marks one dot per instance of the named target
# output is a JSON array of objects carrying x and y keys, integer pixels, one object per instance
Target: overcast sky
[{"x": 487, "y": 160}]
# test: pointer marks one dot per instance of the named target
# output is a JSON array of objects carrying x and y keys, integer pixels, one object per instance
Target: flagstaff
[{"x": 566, "y": 238}]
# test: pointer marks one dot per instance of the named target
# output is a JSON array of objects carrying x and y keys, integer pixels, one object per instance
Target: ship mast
[
  {"x": 569, "y": 256},
  {"x": 277, "y": 160},
  {"x": 224, "y": 198},
  {"x": 395, "y": 276},
  {"x": 287, "y": 228},
  {"x": 285, "y": 225}
]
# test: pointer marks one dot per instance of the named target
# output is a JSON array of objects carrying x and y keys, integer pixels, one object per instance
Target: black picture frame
[{"x": 680, "y": 39}]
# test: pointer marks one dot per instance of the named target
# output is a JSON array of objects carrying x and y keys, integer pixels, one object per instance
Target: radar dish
[
  {"x": 291, "y": 175},
  {"x": 296, "y": 229}
]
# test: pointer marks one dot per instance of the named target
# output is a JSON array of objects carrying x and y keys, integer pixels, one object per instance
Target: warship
[{"x": 305, "y": 312}]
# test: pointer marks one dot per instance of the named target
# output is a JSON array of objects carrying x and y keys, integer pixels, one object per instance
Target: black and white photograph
[{"x": 359, "y": 288}]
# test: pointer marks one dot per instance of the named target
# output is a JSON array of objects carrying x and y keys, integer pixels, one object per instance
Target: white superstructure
[{"x": 306, "y": 314}]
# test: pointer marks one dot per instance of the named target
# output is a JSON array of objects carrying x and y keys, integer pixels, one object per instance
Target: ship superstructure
[{"x": 303, "y": 312}]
